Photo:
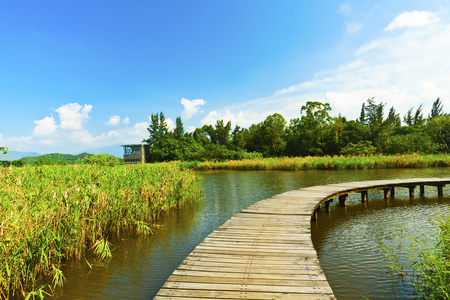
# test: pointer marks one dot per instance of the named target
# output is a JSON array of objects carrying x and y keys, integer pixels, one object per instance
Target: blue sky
[{"x": 79, "y": 75}]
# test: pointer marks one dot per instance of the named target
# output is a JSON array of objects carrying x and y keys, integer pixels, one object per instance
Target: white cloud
[
  {"x": 242, "y": 118},
  {"x": 401, "y": 68},
  {"x": 126, "y": 121},
  {"x": 413, "y": 19},
  {"x": 113, "y": 120},
  {"x": 45, "y": 127},
  {"x": 353, "y": 28},
  {"x": 73, "y": 115},
  {"x": 191, "y": 107},
  {"x": 170, "y": 124}
]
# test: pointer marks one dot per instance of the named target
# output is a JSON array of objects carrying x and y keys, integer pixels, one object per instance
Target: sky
[{"x": 81, "y": 75}]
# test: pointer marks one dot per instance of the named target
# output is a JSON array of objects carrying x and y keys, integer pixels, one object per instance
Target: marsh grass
[
  {"x": 428, "y": 261},
  {"x": 51, "y": 214},
  {"x": 327, "y": 163}
]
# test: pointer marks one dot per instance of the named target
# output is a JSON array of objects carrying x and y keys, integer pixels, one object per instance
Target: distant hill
[
  {"x": 16, "y": 155},
  {"x": 116, "y": 150},
  {"x": 58, "y": 157}
]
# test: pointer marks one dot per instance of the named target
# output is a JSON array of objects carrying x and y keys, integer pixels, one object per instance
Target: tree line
[{"x": 314, "y": 133}]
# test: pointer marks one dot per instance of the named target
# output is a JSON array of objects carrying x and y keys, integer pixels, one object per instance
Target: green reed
[
  {"x": 327, "y": 163},
  {"x": 428, "y": 261},
  {"x": 51, "y": 214}
]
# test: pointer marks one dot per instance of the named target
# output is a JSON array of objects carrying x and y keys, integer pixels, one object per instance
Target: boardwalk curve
[{"x": 266, "y": 251}]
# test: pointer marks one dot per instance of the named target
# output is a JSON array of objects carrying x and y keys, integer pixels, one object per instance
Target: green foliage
[
  {"x": 327, "y": 163},
  {"x": 436, "y": 110},
  {"x": 104, "y": 159},
  {"x": 51, "y": 214},
  {"x": 315, "y": 133},
  {"x": 364, "y": 148},
  {"x": 57, "y": 158},
  {"x": 429, "y": 260},
  {"x": 4, "y": 150}
]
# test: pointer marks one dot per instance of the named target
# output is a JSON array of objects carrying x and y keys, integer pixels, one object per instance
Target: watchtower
[{"x": 136, "y": 154}]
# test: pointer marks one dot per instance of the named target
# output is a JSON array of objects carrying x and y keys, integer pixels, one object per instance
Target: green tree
[
  {"x": 439, "y": 129},
  {"x": 436, "y": 109},
  {"x": 179, "y": 129},
  {"x": 4, "y": 149},
  {"x": 223, "y": 133},
  {"x": 393, "y": 119},
  {"x": 416, "y": 119},
  {"x": 238, "y": 137},
  {"x": 157, "y": 129},
  {"x": 273, "y": 135},
  {"x": 313, "y": 124},
  {"x": 362, "y": 115}
]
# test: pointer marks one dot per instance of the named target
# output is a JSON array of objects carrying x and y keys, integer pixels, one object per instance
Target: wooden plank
[
  {"x": 185, "y": 294},
  {"x": 265, "y": 251}
]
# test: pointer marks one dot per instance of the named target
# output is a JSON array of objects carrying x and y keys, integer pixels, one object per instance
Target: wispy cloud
[
  {"x": 400, "y": 68},
  {"x": 413, "y": 19}
]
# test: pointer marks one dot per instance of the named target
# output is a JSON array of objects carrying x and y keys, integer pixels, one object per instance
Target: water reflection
[{"x": 141, "y": 266}]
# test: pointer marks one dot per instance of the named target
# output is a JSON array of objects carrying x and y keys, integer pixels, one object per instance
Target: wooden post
[
  {"x": 343, "y": 200},
  {"x": 364, "y": 196},
  {"x": 440, "y": 190},
  {"x": 411, "y": 191},
  {"x": 327, "y": 205},
  {"x": 386, "y": 193},
  {"x": 392, "y": 192},
  {"x": 422, "y": 190}
]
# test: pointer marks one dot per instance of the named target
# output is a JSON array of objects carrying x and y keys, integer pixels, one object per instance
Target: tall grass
[
  {"x": 327, "y": 163},
  {"x": 51, "y": 214},
  {"x": 429, "y": 261}
]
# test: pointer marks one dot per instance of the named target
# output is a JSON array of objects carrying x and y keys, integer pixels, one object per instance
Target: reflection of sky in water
[{"x": 140, "y": 266}]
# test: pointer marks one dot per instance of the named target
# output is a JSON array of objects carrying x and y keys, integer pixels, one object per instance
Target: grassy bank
[
  {"x": 327, "y": 163},
  {"x": 51, "y": 214}
]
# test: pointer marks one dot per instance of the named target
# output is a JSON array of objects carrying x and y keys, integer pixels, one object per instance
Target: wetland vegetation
[{"x": 51, "y": 214}]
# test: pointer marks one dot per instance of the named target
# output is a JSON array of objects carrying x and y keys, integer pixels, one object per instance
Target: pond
[{"x": 347, "y": 239}]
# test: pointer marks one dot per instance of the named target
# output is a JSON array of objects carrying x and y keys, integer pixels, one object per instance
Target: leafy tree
[
  {"x": 374, "y": 114},
  {"x": 313, "y": 124},
  {"x": 273, "y": 135},
  {"x": 157, "y": 129},
  {"x": 222, "y": 133},
  {"x": 254, "y": 140},
  {"x": 179, "y": 129},
  {"x": 393, "y": 119},
  {"x": 436, "y": 110},
  {"x": 238, "y": 137},
  {"x": 417, "y": 119},
  {"x": 4, "y": 149},
  {"x": 337, "y": 130},
  {"x": 362, "y": 115},
  {"x": 439, "y": 129},
  {"x": 364, "y": 148}
]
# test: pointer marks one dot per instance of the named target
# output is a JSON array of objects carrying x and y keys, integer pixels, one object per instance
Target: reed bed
[
  {"x": 51, "y": 214},
  {"x": 328, "y": 163}
]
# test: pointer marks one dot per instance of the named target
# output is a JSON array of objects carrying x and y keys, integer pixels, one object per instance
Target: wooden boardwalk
[{"x": 266, "y": 252}]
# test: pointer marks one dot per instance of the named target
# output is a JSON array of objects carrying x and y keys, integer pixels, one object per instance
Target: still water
[{"x": 347, "y": 239}]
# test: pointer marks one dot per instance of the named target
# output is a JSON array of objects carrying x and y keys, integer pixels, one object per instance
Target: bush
[
  {"x": 364, "y": 148},
  {"x": 104, "y": 159}
]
